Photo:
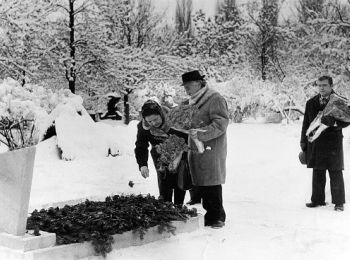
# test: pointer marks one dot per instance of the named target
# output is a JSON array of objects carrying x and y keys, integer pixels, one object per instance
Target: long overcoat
[
  {"x": 326, "y": 152},
  {"x": 209, "y": 168}
]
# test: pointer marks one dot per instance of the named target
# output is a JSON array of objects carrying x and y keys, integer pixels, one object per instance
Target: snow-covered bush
[
  {"x": 159, "y": 91},
  {"x": 21, "y": 115},
  {"x": 263, "y": 98}
]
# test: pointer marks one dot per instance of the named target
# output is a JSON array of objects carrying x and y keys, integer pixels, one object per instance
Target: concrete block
[
  {"x": 16, "y": 172},
  {"x": 28, "y": 242},
  {"x": 84, "y": 250}
]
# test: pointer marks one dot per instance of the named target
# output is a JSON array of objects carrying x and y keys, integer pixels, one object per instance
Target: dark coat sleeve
[
  {"x": 306, "y": 124},
  {"x": 342, "y": 124},
  {"x": 142, "y": 144},
  {"x": 332, "y": 122}
]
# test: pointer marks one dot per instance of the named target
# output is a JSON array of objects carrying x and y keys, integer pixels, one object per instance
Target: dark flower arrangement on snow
[
  {"x": 98, "y": 221},
  {"x": 181, "y": 119},
  {"x": 171, "y": 151}
]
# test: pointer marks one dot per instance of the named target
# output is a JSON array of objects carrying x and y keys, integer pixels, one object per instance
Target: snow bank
[
  {"x": 47, "y": 150},
  {"x": 264, "y": 198},
  {"x": 78, "y": 136}
]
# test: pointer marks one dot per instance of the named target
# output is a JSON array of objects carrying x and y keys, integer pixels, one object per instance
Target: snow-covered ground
[{"x": 264, "y": 198}]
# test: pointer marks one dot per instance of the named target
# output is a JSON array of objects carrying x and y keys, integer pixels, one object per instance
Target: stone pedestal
[
  {"x": 28, "y": 242},
  {"x": 16, "y": 172}
]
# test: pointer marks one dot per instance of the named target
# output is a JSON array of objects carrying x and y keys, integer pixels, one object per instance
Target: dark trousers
[
  {"x": 195, "y": 194},
  {"x": 319, "y": 183},
  {"x": 212, "y": 203},
  {"x": 167, "y": 184}
]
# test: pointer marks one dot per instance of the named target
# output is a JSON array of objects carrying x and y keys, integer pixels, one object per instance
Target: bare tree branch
[{"x": 63, "y": 7}]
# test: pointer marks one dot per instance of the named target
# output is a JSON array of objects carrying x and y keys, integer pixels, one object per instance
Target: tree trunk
[
  {"x": 71, "y": 74},
  {"x": 263, "y": 63},
  {"x": 24, "y": 78}
]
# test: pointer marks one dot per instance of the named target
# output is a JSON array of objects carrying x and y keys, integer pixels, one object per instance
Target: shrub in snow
[
  {"x": 21, "y": 115},
  {"x": 261, "y": 98},
  {"x": 159, "y": 91}
]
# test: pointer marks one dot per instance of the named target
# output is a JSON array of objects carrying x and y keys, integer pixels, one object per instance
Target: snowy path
[{"x": 264, "y": 198}]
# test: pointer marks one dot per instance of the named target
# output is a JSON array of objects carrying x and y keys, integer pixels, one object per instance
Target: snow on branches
[{"x": 20, "y": 112}]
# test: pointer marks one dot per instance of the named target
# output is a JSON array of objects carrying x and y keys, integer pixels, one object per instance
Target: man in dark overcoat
[
  {"x": 326, "y": 152},
  {"x": 208, "y": 169}
]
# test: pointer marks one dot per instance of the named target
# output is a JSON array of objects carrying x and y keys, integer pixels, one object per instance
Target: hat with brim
[
  {"x": 191, "y": 76},
  {"x": 302, "y": 157}
]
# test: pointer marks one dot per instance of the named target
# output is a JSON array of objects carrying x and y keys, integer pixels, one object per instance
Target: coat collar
[{"x": 204, "y": 96}]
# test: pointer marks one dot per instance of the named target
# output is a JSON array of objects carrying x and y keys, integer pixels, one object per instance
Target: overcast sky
[{"x": 208, "y": 6}]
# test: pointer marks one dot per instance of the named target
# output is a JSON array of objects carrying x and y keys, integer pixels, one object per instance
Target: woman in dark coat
[
  {"x": 326, "y": 152},
  {"x": 153, "y": 129}
]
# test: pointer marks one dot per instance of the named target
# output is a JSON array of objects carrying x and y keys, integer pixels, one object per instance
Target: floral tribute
[
  {"x": 98, "y": 221},
  {"x": 181, "y": 119},
  {"x": 171, "y": 151}
]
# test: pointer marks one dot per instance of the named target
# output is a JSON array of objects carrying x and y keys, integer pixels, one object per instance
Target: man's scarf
[{"x": 198, "y": 95}]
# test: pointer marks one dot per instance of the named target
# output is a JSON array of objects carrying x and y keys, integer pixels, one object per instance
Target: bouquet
[
  {"x": 337, "y": 108},
  {"x": 171, "y": 151},
  {"x": 181, "y": 119}
]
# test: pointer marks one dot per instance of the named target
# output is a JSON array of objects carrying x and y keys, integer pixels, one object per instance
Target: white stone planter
[
  {"x": 16, "y": 172},
  {"x": 35, "y": 249}
]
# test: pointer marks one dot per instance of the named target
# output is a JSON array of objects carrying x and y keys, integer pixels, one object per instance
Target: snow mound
[
  {"x": 124, "y": 136},
  {"x": 78, "y": 136},
  {"x": 47, "y": 150}
]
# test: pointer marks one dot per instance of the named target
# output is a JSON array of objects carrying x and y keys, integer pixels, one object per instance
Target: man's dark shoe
[
  {"x": 207, "y": 223},
  {"x": 192, "y": 202},
  {"x": 218, "y": 224},
  {"x": 315, "y": 205},
  {"x": 339, "y": 207}
]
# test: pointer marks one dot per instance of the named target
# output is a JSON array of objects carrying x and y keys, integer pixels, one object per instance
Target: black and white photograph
[{"x": 174, "y": 129}]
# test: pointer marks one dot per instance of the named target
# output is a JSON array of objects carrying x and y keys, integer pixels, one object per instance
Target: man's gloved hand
[
  {"x": 328, "y": 120},
  {"x": 144, "y": 172}
]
